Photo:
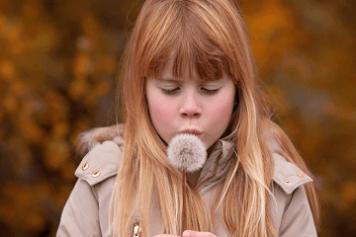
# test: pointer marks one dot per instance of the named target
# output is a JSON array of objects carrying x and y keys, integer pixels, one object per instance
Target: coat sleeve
[
  {"x": 297, "y": 219},
  {"x": 80, "y": 215},
  {"x": 86, "y": 212}
]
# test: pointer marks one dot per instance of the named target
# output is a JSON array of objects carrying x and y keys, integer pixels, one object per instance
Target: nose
[{"x": 190, "y": 107}]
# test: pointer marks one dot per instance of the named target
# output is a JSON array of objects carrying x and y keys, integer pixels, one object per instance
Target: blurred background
[{"x": 58, "y": 68}]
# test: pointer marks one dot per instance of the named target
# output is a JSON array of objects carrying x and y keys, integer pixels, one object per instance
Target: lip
[{"x": 192, "y": 131}]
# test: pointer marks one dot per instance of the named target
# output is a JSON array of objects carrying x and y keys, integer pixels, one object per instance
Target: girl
[{"x": 188, "y": 68}]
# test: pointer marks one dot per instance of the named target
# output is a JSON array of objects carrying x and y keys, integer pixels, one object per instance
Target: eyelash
[
  {"x": 170, "y": 91},
  {"x": 176, "y": 90},
  {"x": 209, "y": 91}
]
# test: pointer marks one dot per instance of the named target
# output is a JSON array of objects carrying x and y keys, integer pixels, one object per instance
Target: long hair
[{"x": 207, "y": 37}]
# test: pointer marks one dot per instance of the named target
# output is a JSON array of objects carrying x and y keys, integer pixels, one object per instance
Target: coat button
[
  {"x": 136, "y": 230},
  {"x": 96, "y": 173},
  {"x": 85, "y": 166},
  {"x": 301, "y": 174},
  {"x": 287, "y": 181}
]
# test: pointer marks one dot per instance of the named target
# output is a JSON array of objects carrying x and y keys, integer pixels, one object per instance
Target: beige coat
[{"x": 86, "y": 212}]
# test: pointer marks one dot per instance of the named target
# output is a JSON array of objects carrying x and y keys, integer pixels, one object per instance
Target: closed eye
[
  {"x": 170, "y": 91},
  {"x": 208, "y": 91}
]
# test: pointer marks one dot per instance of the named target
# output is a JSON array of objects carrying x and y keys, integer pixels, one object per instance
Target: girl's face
[{"x": 190, "y": 106}]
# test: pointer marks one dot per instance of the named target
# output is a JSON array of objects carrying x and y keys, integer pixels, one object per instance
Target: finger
[
  {"x": 165, "y": 235},
  {"x": 191, "y": 233}
]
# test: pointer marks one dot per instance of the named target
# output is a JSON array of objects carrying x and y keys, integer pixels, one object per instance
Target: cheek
[
  {"x": 162, "y": 113},
  {"x": 220, "y": 113}
]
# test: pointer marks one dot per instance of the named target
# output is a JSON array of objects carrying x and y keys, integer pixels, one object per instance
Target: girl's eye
[
  {"x": 170, "y": 91},
  {"x": 208, "y": 91}
]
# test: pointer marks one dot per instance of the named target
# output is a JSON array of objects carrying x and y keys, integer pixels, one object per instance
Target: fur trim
[{"x": 88, "y": 139}]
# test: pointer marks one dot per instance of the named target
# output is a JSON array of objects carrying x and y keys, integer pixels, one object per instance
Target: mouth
[{"x": 192, "y": 132}]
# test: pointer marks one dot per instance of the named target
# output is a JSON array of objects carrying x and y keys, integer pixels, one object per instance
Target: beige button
[
  {"x": 96, "y": 173},
  {"x": 137, "y": 230},
  {"x": 287, "y": 181},
  {"x": 85, "y": 166}
]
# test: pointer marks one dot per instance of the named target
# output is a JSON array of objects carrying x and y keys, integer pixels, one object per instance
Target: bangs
[
  {"x": 203, "y": 65},
  {"x": 182, "y": 39},
  {"x": 206, "y": 66}
]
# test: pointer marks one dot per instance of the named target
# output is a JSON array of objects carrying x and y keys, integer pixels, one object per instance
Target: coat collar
[
  {"x": 285, "y": 174},
  {"x": 217, "y": 164},
  {"x": 102, "y": 161}
]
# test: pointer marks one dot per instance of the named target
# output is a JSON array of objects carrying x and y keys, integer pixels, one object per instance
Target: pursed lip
[{"x": 192, "y": 131}]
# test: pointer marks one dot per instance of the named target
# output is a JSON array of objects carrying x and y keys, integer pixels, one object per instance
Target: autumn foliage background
[{"x": 58, "y": 77}]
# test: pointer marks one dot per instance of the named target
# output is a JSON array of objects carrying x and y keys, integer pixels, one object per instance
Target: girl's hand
[
  {"x": 190, "y": 233},
  {"x": 165, "y": 235}
]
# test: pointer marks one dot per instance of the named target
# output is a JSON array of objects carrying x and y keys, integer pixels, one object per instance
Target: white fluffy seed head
[{"x": 186, "y": 152}]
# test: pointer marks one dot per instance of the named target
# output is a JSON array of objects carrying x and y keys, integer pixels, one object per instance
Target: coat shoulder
[
  {"x": 287, "y": 175},
  {"x": 102, "y": 160}
]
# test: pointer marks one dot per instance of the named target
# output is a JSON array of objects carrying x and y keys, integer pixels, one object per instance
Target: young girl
[{"x": 188, "y": 68}]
